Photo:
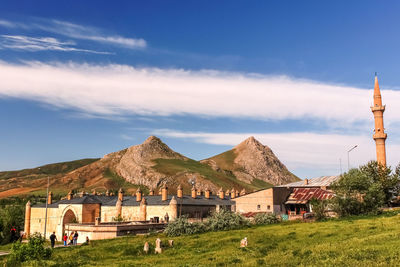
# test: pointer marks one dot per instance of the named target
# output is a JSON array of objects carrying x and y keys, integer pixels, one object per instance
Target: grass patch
[
  {"x": 117, "y": 182},
  {"x": 329, "y": 243}
]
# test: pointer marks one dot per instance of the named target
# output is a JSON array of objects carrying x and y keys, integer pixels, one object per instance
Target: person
[
  {"x": 71, "y": 238},
  {"x": 87, "y": 240},
  {"x": 53, "y": 239},
  {"x": 65, "y": 239},
  {"x": 76, "y": 238},
  {"x": 166, "y": 217},
  {"x": 13, "y": 234}
]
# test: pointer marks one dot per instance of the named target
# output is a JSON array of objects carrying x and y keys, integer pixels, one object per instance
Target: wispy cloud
[
  {"x": 27, "y": 43},
  {"x": 76, "y": 31},
  {"x": 123, "y": 90},
  {"x": 318, "y": 152}
]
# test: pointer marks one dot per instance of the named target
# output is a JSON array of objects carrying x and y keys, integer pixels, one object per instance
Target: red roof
[{"x": 303, "y": 195}]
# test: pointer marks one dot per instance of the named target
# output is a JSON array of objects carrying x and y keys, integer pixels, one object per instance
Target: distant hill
[
  {"x": 250, "y": 165},
  {"x": 253, "y": 163}
]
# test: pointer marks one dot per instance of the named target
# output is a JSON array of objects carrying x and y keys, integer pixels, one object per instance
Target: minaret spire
[{"x": 379, "y": 135}]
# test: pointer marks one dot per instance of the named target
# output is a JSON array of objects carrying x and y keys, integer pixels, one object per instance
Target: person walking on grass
[
  {"x": 65, "y": 239},
  {"x": 53, "y": 239},
  {"x": 76, "y": 238}
]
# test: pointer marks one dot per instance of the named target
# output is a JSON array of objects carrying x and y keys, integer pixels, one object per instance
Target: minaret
[{"x": 379, "y": 135}]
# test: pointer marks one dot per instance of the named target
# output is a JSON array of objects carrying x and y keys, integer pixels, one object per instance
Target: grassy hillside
[
  {"x": 368, "y": 241},
  {"x": 172, "y": 167}
]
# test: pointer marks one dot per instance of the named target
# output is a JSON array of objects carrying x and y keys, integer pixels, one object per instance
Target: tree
[
  {"x": 366, "y": 189},
  {"x": 10, "y": 217}
]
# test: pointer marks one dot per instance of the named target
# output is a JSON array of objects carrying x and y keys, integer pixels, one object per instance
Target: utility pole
[
  {"x": 47, "y": 201},
  {"x": 348, "y": 157}
]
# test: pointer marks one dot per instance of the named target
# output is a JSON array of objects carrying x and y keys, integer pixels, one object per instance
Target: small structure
[
  {"x": 243, "y": 242},
  {"x": 158, "y": 248}
]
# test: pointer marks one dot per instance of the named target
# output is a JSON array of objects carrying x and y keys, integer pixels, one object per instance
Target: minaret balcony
[
  {"x": 380, "y": 135},
  {"x": 378, "y": 108}
]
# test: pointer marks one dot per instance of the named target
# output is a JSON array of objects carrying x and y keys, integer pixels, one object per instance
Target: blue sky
[{"x": 83, "y": 80}]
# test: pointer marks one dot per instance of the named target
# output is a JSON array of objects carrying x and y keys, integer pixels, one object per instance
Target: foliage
[
  {"x": 266, "y": 218},
  {"x": 33, "y": 250},
  {"x": 319, "y": 208},
  {"x": 119, "y": 218},
  {"x": 10, "y": 217},
  {"x": 226, "y": 220},
  {"x": 365, "y": 190},
  {"x": 181, "y": 226}
]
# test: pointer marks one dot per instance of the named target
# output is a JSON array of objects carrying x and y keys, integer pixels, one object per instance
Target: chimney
[
  {"x": 120, "y": 194},
  {"x": 237, "y": 193},
  {"x": 118, "y": 206},
  {"x": 221, "y": 193},
  {"x": 193, "y": 192},
  {"x": 233, "y": 193},
  {"x": 227, "y": 193},
  {"x": 306, "y": 181},
  {"x": 107, "y": 193},
  {"x": 207, "y": 193},
  {"x": 143, "y": 210},
  {"x": 173, "y": 205},
  {"x": 70, "y": 195},
  {"x": 160, "y": 192},
  {"x": 151, "y": 193},
  {"x": 28, "y": 219},
  {"x": 199, "y": 192},
  {"x": 94, "y": 192},
  {"x": 164, "y": 193},
  {"x": 50, "y": 198},
  {"x": 138, "y": 195},
  {"x": 179, "y": 192},
  {"x": 243, "y": 192}
]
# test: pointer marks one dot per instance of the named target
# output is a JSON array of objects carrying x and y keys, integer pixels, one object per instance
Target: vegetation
[
  {"x": 11, "y": 217},
  {"x": 172, "y": 167},
  {"x": 365, "y": 190},
  {"x": 354, "y": 241},
  {"x": 116, "y": 182},
  {"x": 266, "y": 218},
  {"x": 31, "y": 251}
]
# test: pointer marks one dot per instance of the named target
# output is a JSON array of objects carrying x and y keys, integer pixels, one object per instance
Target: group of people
[{"x": 72, "y": 238}]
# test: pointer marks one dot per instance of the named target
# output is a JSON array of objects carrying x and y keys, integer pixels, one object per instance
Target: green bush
[
  {"x": 181, "y": 226},
  {"x": 266, "y": 218},
  {"x": 319, "y": 208},
  {"x": 226, "y": 220},
  {"x": 33, "y": 250}
]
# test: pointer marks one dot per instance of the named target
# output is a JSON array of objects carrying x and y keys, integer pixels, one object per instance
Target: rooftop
[
  {"x": 303, "y": 195},
  {"x": 315, "y": 182}
]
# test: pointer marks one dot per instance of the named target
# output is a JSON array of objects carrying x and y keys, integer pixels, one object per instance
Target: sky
[{"x": 83, "y": 79}]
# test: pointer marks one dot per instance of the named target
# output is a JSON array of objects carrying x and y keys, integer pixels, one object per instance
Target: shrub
[
  {"x": 181, "y": 226},
  {"x": 226, "y": 220},
  {"x": 266, "y": 218},
  {"x": 33, "y": 250},
  {"x": 319, "y": 208}
]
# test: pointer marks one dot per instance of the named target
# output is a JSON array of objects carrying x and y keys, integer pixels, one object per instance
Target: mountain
[
  {"x": 250, "y": 162},
  {"x": 249, "y": 165}
]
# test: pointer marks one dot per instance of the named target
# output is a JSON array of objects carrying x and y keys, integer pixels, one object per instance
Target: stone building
[
  {"x": 290, "y": 199},
  {"x": 105, "y": 216}
]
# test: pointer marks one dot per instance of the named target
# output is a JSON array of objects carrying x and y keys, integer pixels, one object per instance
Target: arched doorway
[{"x": 69, "y": 217}]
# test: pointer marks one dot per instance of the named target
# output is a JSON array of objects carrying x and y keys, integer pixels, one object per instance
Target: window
[
  {"x": 258, "y": 207},
  {"x": 268, "y": 207}
]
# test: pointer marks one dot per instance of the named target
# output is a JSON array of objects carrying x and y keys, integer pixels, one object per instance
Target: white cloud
[
  {"x": 76, "y": 31},
  {"x": 317, "y": 152},
  {"x": 26, "y": 43},
  {"x": 122, "y": 90}
]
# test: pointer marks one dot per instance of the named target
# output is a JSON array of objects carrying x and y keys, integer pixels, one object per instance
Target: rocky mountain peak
[
  {"x": 153, "y": 140},
  {"x": 250, "y": 142}
]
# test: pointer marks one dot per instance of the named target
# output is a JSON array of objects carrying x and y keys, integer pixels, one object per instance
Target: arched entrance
[{"x": 69, "y": 217}]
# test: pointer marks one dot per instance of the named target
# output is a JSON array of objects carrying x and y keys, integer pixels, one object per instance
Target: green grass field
[{"x": 360, "y": 241}]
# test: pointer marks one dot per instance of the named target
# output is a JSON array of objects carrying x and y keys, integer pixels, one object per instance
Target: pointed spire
[{"x": 377, "y": 93}]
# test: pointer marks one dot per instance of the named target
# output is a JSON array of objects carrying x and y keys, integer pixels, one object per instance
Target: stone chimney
[
  {"x": 199, "y": 192},
  {"x": 70, "y": 195},
  {"x": 160, "y": 191},
  {"x": 306, "y": 181},
  {"x": 227, "y": 193},
  {"x": 50, "y": 198},
  {"x": 221, "y": 193},
  {"x": 107, "y": 193},
  {"x": 138, "y": 195},
  {"x": 118, "y": 207},
  {"x": 151, "y": 193},
  {"x": 237, "y": 193},
  {"x": 164, "y": 193},
  {"x": 243, "y": 192},
  {"x": 27, "y": 229},
  {"x": 120, "y": 194},
  {"x": 193, "y": 192},
  {"x": 143, "y": 210},
  {"x": 207, "y": 193},
  {"x": 179, "y": 191},
  {"x": 173, "y": 205},
  {"x": 233, "y": 193}
]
